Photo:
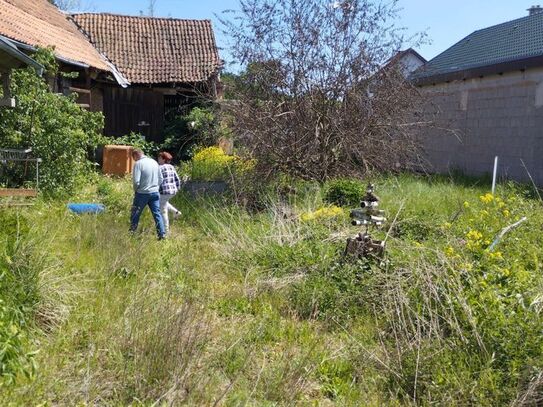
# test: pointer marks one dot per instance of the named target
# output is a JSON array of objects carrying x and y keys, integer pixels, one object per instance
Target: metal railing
[{"x": 14, "y": 155}]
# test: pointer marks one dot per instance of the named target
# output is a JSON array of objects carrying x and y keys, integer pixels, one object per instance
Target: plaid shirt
[{"x": 171, "y": 182}]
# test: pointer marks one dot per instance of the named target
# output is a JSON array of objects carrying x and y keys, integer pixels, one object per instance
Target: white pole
[{"x": 495, "y": 175}]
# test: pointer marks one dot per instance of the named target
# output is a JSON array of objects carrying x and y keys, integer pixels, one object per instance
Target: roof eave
[
  {"x": 479, "y": 71},
  {"x": 22, "y": 45},
  {"x": 10, "y": 48}
]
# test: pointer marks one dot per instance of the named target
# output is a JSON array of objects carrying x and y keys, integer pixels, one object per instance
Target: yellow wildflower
[
  {"x": 506, "y": 213},
  {"x": 466, "y": 204},
  {"x": 449, "y": 251},
  {"x": 487, "y": 198},
  {"x": 495, "y": 255},
  {"x": 474, "y": 235},
  {"x": 467, "y": 266},
  {"x": 322, "y": 213},
  {"x": 213, "y": 154}
]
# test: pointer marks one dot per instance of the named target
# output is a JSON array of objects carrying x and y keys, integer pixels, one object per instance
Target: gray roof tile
[{"x": 511, "y": 41}]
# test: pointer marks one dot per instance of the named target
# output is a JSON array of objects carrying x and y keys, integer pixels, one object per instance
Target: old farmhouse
[
  {"x": 168, "y": 65},
  {"x": 136, "y": 70},
  {"x": 487, "y": 92}
]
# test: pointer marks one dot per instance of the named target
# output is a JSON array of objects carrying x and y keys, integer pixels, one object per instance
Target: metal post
[
  {"x": 38, "y": 174},
  {"x": 495, "y": 175}
]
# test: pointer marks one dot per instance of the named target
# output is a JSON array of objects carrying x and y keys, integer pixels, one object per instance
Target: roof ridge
[
  {"x": 140, "y": 17},
  {"x": 508, "y": 22}
]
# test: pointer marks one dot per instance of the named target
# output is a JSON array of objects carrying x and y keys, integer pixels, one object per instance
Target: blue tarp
[{"x": 81, "y": 208}]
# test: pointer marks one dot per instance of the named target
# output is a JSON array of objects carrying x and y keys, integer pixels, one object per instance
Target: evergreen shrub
[{"x": 344, "y": 192}]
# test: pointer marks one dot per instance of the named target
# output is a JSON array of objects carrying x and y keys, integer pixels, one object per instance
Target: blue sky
[{"x": 445, "y": 22}]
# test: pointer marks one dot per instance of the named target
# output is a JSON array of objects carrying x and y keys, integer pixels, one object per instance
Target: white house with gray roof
[{"x": 487, "y": 94}]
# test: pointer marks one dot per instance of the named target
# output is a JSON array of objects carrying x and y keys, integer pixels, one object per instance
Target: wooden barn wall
[{"x": 125, "y": 109}]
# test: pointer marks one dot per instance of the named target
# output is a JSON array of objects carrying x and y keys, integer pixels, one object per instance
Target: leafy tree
[
  {"x": 314, "y": 100},
  {"x": 54, "y": 126}
]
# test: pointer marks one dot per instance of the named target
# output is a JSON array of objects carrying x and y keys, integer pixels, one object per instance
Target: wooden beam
[
  {"x": 5, "y": 85},
  {"x": 79, "y": 90},
  {"x": 16, "y": 204},
  {"x": 30, "y": 193}
]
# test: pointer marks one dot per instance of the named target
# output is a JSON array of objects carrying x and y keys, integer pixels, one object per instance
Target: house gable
[{"x": 150, "y": 50}]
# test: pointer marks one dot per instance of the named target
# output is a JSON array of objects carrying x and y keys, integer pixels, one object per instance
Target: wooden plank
[
  {"x": 28, "y": 160},
  {"x": 79, "y": 90},
  {"x": 30, "y": 193},
  {"x": 16, "y": 204}
]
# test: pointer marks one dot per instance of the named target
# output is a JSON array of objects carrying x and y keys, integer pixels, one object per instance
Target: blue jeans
[{"x": 140, "y": 202}]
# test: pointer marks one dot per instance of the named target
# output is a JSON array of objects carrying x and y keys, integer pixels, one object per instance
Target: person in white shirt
[{"x": 169, "y": 187}]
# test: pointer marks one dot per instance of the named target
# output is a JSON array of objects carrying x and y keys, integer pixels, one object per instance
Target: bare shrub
[{"x": 317, "y": 99}]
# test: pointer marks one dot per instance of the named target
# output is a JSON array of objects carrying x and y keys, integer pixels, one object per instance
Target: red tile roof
[
  {"x": 150, "y": 50},
  {"x": 39, "y": 23}
]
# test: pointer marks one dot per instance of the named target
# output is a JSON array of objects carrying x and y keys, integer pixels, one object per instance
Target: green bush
[
  {"x": 55, "y": 127},
  {"x": 136, "y": 140},
  {"x": 345, "y": 192},
  {"x": 201, "y": 127}
]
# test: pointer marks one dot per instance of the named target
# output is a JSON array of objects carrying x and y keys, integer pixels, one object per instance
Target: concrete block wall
[{"x": 478, "y": 119}]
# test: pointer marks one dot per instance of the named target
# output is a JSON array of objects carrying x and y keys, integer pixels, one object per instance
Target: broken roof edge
[
  {"x": 9, "y": 47},
  {"x": 119, "y": 77},
  {"x": 121, "y": 80}
]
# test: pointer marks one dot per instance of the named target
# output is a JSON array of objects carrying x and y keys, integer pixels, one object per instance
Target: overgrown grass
[{"x": 260, "y": 308}]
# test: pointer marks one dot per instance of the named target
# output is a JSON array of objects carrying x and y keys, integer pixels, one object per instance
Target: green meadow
[{"x": 260, "y": 308}]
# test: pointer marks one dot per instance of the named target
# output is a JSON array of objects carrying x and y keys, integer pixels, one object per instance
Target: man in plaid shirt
[{"x": 169, "y": 187}]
